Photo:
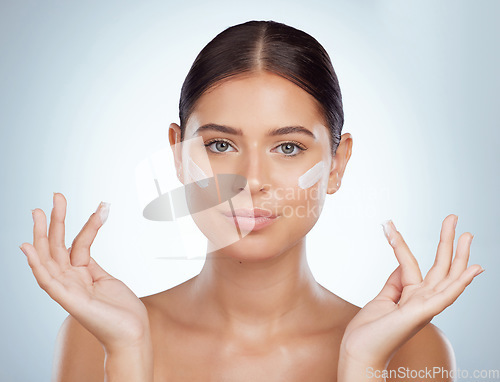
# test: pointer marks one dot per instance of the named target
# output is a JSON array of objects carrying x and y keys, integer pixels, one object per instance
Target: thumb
[
  {"x": 80, "y": 248},
  {"x": 96, "y": 271},
  {"x": 409, "y": 265}
]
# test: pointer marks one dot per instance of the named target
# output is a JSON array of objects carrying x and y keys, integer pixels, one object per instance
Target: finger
[
  {"x": 444, "y": 254},
  {"x": 459, "y": 264},
  {"x": 57, "y": 231},
  {"x": 80, "y": 248},
  {"x": 43, "y": 276},
  {"x": 40, "y": 240},
  {"x": 97, "y": 272},
  {"x": 446, "y": 297},
  {"x": 393, "y": 288},
  {"x": 52, "y": 267},
  {"x": 410, "y": 271},
  {"x": 462, "y": 255}
]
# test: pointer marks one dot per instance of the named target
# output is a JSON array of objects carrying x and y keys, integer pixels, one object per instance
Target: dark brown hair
[{"x": 270, "y": 46}]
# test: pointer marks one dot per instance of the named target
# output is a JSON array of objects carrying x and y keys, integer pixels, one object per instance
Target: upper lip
[{"x": 248, "y": 212}]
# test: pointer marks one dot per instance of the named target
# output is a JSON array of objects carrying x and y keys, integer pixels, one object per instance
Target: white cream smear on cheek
[
  {"x": 311, "y": 176},
  {"x": 197, "y": 174}
]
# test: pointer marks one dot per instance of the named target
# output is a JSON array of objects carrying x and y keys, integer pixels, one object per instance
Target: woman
[{"x": 264, "y": 100}]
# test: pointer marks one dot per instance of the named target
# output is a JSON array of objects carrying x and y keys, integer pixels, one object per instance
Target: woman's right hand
[{"x": 104, "y": 305}]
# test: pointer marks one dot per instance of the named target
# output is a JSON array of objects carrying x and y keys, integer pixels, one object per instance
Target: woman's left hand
[{"x": 407, "y": 302}]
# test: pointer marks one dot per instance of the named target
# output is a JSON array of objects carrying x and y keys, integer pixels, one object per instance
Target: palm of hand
[
  {"x": 407, "y": 302},
  {"x": 101, "y": 303}
]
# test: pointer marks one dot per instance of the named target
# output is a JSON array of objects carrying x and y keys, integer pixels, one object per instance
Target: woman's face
[{"x": 275, "y": 137}]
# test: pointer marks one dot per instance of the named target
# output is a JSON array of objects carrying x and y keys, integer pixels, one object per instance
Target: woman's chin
[{"x": 248, "y": 249}]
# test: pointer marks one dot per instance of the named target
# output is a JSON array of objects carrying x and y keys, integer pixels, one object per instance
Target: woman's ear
[
  {"x": 339, "y": 163},
  {"x": 174, "y": 137}
]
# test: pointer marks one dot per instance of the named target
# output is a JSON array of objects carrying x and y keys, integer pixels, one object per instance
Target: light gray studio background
[{"x": 88, "y": 89}]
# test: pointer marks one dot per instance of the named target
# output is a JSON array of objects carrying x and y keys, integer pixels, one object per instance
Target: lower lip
[{"x": 251, "y": 224}]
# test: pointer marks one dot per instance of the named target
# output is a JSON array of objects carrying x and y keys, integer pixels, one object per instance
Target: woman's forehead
[{"x": 262, "y": 100}]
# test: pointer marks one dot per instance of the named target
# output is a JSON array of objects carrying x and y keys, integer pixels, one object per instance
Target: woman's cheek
[
  {"x": 299, "y": 195},
  {"x": 297, "y": 203}
]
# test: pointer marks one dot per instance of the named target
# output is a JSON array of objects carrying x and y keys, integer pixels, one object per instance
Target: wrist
[
  {"x": 351, "y": 369},
  {"x": 131, "y": 363},
  {"x": 134, "y": 341},
  {"x": 363, "y": 355}
]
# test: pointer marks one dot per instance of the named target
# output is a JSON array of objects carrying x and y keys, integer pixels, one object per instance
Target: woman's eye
[
  {"x": 291, "y": 149},
  {"x": 219, "y": 145}
]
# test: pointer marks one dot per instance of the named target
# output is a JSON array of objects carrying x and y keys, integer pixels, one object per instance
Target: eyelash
[{"x": 299, "y": 145}]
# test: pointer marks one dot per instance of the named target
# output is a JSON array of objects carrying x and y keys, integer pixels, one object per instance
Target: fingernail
[
  {"x": 22, "y": 249},
  {"x": 456, "y": 220},
  {"x": 33, "y": 214},
  {"x": 103, "y": 211},
  {"x": 387, "y": 226},
  {"x": 479, "y": 272},
  {"x": 53, "y": 199}
]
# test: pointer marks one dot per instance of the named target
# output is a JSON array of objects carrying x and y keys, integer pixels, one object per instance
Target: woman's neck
[{"x": 257, "y": 294}]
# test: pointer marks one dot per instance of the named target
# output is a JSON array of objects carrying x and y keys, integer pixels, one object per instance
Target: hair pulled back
[{"x": 270, "y": 46}]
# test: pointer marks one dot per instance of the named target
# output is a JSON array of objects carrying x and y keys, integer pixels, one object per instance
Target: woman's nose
[{"x": 255, "y": 168}]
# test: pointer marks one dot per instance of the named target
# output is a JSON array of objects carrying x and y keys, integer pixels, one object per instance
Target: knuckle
[
  {"x": 96, "y": 219},
  {"x": 443, "y": 240},
  {"x": 396, "y": 239},
  {"x": 94, "y": 223},
  {"x": 93, "y": 217},
  {"x": 43, "y": 284},
  {"x": 56, "y": 245}
]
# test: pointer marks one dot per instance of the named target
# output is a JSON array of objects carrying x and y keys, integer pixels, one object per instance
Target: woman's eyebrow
[{"x": 231, "y": 130}]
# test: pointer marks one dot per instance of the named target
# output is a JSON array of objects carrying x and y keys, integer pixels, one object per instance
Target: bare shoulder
[
  {"x": 163, "y": 303},
  {"x": 78, "y": 355},
  {"x": 341, "y": 309},
  {"x": 425, "y": 357}
]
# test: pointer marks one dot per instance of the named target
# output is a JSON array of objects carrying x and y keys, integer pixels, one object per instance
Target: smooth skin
[{"x": 255, "y": 311}]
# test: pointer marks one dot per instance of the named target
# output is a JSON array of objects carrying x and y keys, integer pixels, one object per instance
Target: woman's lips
[{"x": 251, "y": 220}]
